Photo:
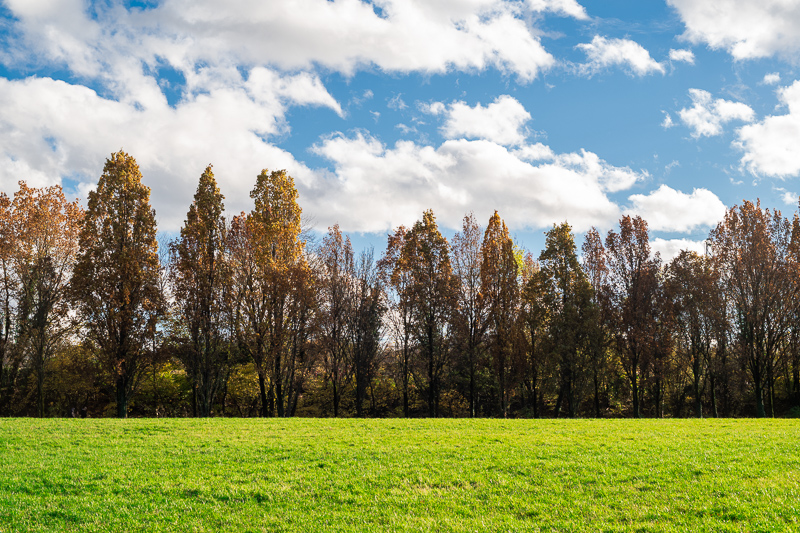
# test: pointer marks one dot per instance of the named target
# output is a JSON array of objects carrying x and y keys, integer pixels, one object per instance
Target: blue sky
[{"x": 545, "y": 110}]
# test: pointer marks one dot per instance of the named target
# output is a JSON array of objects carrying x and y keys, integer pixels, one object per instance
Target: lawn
[{"x": 399, "y": 475}]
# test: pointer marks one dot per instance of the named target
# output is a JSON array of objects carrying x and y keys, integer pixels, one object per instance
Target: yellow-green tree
[
  {"x": 200, "y": 288},
  {"x": 116, "y": 277},
  {"x": 45, "y": 232}
]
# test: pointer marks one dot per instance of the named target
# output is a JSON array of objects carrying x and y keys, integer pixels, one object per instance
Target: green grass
[{"x": 399, "y": 475}]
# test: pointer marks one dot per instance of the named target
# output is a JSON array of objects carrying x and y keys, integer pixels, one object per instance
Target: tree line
[{"x": 249, "y": 316}]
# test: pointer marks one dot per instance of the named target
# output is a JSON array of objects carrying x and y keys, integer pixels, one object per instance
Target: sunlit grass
[{"x": 409, "y": 475}]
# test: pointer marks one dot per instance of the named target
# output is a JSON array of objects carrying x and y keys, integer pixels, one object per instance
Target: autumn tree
[
  {"x": 271, "y": 279},
  {"x": 598, "y": 334},
  {"x": 425, "y": 259},
  {"x": 6, "y": 290},
  {"x": 568, "y": 297},
  {"x": 691, "y": 284},
  {"x": 115, "y": 280},
  {"x": 367, "y": 316},
  {"x": 534, "y": 319},
  {"x": 336, "y": 289},
  {"x": 500, "y": 290},
  {"x": 200, "y": 287},
  {"x": 400, "y": 319},
  {"x": 470, "y": 313},
  {"x": 633, "y": 282},
  {"x": 751, "y": 247},
  {"x": 46, "y": 229}
]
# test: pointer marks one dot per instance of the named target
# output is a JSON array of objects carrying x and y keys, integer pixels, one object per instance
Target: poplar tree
[
  {"x": 116, "y": 278},
  {"x": 568, "y": 299},
  {"x": 272, "y": 281},
  {"x": 500, "y": 291},
  {"x": 432, "y": 291},
  {"x": 633, "y": 284},
  {"x": 200, "y": 285},
  {"x": 470, "y": 314}
]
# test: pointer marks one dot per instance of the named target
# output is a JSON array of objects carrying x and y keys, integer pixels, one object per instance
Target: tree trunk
[
  {"x": 635, "y": 393},
  {"x": 263, "y": 393},
  {"x": 122, "y": 398}
]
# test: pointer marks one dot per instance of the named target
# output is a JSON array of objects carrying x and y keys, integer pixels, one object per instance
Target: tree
[
  {"x": 400, "y": 308},
  {"x": 692, "y": 286},
  {"x": 46, "y": 229},
  {"x": 200, "y": 286},
  {"x": 633, "y": 283},
  {"x": 425, "y": 258},
  {"x": 568, "y": 298},
  {"x": 271, "y": 279},
  {"x": 470, "y": 312},
  {"x": 115, "y": 281},
  {"x": 6, "y": 290},
  {"x": 751, "y": 247},
  {"x": 336, "y": 309},
  {"x": 500, "y": 290},
  {"x": 368, "y": 311},
  {"x": 598, "y": 334}
]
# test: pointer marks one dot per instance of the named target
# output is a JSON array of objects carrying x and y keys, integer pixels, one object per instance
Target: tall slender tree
[
  {"x": 568, "y": 297},
  {"x": 271, "y": 278},
  {"x": 426, "y": 259},
  {"x": 115, "y": 280},
  {"x": 470, "y": 315},
  {"x": 633, "y": 282},
  {"x": 500, "y": 289},
  {"x": 200, "y": 287},
  {"x": 336, "y": 309}
]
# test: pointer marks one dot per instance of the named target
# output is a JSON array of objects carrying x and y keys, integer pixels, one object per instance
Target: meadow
[{"x": 399, "y": 475}]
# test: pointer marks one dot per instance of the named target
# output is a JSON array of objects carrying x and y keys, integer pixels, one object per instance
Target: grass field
[{"x": 404, "y": 475}]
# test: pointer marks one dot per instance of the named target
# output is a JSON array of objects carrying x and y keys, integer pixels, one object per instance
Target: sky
[{"x": 544, "y": 110}]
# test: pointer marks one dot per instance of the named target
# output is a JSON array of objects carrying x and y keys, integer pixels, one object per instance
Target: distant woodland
[{"x": 245, "y": 316}]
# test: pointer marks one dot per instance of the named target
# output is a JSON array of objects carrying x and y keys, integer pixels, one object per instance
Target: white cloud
[
  {"x": 773, "y": 78},
  {"x": 383, "y": 187},
  {"x": 671, "y": 248},
  {"x": 569, "y": 8},
  {"x": 667, "y": 122},
  {"x": 503, "y": 121},
  {"x": 396, "y": 102},
  {"x": 666, "y": 209},
  {"x": 683, "y": 55},
  {"x": 789, "y": 198},
  {"x": 50, "y": 129},
  {"x": 603, "y": 53},
  {"x": 707, "y": 116},
  {"x": 772, "y": 147},
  {"x": 343, "y": 35},
  {"x": 746, "y": 29}
]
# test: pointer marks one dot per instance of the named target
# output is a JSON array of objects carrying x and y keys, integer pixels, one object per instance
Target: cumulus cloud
[
  {"x": 569, "y": 8},
  {"x": 671, "y": 248},
  {"x": 343, "y": 35},
  {"x": 772, "y": 146},
  {"x": 707, "y": 116},
  {"x": 746, "y": 29},
  {"x": 666, "y": 209},
  {"x": 503, "y": 121},
  {"x": 50, "y": 129},
  {"x": 681, "y": 56},
  {"x": 603, "y": 53},
  {"x": 533, "y": 187},
  {"x": 773, "y": 78}
]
